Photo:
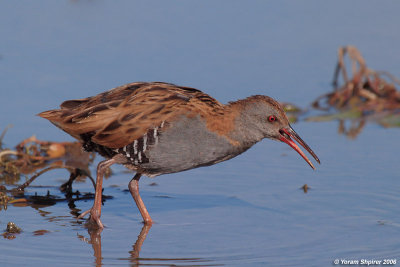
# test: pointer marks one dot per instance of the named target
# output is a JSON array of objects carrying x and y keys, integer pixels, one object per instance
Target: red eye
[{"x": 271, "y": 118}]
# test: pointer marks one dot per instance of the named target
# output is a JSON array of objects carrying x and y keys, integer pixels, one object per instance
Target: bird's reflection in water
[
  {"x": 95, "y": 241},
  {"x": 134, "y": 254}
]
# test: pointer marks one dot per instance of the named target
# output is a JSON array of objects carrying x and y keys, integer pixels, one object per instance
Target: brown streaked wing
[{"x": 118, "y": 117}]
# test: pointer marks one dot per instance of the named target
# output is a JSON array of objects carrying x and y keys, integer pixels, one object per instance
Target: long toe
[
  {"x": 94, "y": 218},
  {"x": 83, "y": 214},
  {"x": 96, "y": 221}
]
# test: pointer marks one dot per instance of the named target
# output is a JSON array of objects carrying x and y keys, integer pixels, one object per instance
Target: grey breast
[{"x": 187, "y": 144}]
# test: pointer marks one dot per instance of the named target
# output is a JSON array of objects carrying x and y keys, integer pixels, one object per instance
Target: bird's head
[{"x": 266, "y": 116}]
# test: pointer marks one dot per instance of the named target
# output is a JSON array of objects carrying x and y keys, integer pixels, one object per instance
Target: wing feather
[{"x": 118, "y": 117}]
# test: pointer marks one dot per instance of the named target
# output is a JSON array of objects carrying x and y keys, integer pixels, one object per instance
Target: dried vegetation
[
  {"x": 32, "y": 158},
  {"x": 364, "y": 95}
]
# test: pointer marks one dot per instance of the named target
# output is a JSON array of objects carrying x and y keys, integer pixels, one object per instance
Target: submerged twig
[{"x": 28, "y": 182}]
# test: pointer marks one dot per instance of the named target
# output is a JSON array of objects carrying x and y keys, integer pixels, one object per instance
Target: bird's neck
[{"x": 244, "y": 130}]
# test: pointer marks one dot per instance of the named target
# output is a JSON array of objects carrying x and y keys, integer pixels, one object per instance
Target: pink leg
[
  {"x": 95, "y": 211},
  {"x": 134, "y": 189}
]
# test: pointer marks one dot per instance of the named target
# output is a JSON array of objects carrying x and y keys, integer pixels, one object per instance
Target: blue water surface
[{"x": 249, "y": 211}]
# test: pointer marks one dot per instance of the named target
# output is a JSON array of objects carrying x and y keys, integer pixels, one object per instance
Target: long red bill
[{"x": 286, "y": 133}]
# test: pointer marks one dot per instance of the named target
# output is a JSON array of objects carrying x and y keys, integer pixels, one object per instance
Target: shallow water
[{"x": 249, "y": 211}]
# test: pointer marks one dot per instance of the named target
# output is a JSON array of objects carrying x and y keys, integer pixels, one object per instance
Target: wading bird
[{"x": 155, "y": 128}]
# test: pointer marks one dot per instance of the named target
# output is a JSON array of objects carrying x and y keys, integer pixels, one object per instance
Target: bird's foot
[{"x": 94, "y": 218}]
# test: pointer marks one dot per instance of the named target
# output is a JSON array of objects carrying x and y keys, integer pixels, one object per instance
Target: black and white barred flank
[{"x": 134, "y": 152}]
